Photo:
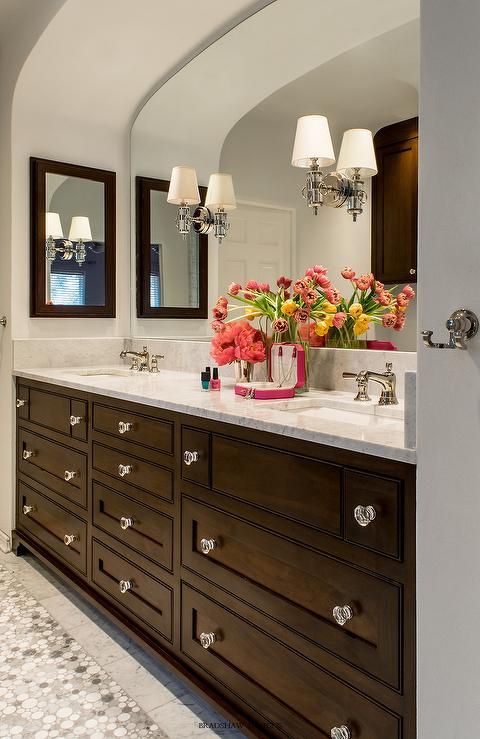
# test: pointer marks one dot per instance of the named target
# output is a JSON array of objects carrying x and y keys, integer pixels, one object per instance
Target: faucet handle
[
  {"x": 389, "y": 367},
  {"x": 349, "y": 375}
]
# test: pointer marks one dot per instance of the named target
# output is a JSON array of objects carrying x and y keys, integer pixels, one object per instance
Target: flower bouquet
[{"x": 237, "y": 342}]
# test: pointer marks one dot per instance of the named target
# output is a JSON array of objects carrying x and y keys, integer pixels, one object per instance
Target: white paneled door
[{"x": 259, "y": 245}]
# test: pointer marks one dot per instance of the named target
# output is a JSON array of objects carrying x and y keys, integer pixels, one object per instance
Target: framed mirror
[
  {"x": 72, "y": 240},
  {"x": 172, "y": 271}
]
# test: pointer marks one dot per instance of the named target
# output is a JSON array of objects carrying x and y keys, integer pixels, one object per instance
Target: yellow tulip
[
  {"x": 252, "y": 313},
  {"x": 321, "y": 328},
  {"x": 329, "y": 320},
  {"x": 361, "y": 325},
  {"x": 289, "y": 308},
  {"x": 329, "y": 307},
  {"x": 356, "y": 310}
]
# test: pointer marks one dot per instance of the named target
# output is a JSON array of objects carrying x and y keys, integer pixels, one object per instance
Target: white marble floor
[{"x": 179, "y": 713}]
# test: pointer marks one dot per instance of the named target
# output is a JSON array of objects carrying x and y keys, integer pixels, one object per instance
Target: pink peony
[
  {"x": 379, "y": 287},
  {"x": 389, "y": 320},
  {"x": 300, "y": 286},
  {"x": 264, "y": 287},
  {"x": 333, "y": 295},
  {"x": 409, "y": 292},
  {"x": 309, "y": 296},
  {"x": 284, "y": 282},
  {"x": 219, "y": 312},
  {"x": 218, "y": 326},
  {"x": 384, "y": 298},
  {"x": 252, "y": 285},
  {"x": 402, "y": 300},
  {"x": 323, "y": 281},
  {"x": 365, "y": 281},
  {"x": 302, "y": 315},
  {"x": 280, "y": 325},
  {"x": 348, "y": 273},
  {"x": 234, "y": 288},
  {"x": 238, "y": 340},
  {"x": 339, "y": 319}
]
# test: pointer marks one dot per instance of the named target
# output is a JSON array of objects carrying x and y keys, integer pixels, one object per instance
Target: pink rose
[
  {"x": 379, "y": 287},
  {"x": 309, "y": 296},
  {"x": 409, "y": 292},
  {"x": 280, "y": 325},
  {"x": 302, "y": 315},
  {"x": 389, "y": 320},
  {"x": 339, "y": 319},
  {"x": 300, "y": 286},
  {"x": 264, "y": 287},
  {"x": 284, "y": 282},
  {"x": 333, "y": 295},
  {"x": 234, "y": 288},
  {"x": 384, "y": 298},
  {"x": 402, "y": 300},
  {"x": 219, "y": 312},
  {"x": 348, "y": 273},
  {"x": 218, "y": 326},
  {"x": 365, "y": 281},
  {"x": 252, "y": 285},
  {"x": 323, "y": 281}
]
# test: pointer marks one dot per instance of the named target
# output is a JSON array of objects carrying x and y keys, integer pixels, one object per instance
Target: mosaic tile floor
[{"x": 65, "y": 671}]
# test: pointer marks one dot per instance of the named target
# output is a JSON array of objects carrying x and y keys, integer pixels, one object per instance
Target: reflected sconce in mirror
[
  {"x": 313, "y": 150},
  {"x": 206, "y": 218},
  {"x": 74, "y": 246}
]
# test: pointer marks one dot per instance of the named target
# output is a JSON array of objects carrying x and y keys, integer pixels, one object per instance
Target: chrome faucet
[
  {"x": 141, "y": 361},
  {"x": 387, "y": 380}
]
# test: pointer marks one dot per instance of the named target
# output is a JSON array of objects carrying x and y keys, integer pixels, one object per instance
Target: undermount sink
[
  {"x": 338, "y": 410},
  {"x": 103, "y": 372}
]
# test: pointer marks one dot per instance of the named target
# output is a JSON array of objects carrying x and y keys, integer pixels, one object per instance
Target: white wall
[{"x": 448, "y": 502}]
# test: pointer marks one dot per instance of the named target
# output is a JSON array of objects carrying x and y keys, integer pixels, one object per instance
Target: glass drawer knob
[
  {"x": 340, "y": 732},
  {"x": 413, "y": 271},
  {"x": 207, "y": 545},
  {"x": 27, "y": 454},
  {"x": 126, "y": 522},
  {"x": 124, "y": 427},
  {"x": 75, "y": 420},
  {"x": 124, "y": 469},
  {"x": 190, "y": 457},
  {"x": 28, "y": 509},
  {"x": 207, "y": 639},
  {"x": 69, "y": 539},
  {"x": 364, "y": 515},
  {"x": 125, "y": 586},
  {"x": 20, "y": 402},
  {"x": 342, "y": 614},
  {"x": 69, "y": 475}
]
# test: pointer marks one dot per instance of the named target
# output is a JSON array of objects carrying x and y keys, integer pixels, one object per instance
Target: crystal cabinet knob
[
  {"x": 69, "y": 475},
  {"x": 28, "y": 509},
  {"x": 125, "y": 586},
  {"x": 20, "y": 402},
  {"x": 207, "y": 545},
  {"x": 75, "y": 420},
  {"x": 126, "y": 522},
  {"x": 124, "y": 427},
  {"x": 341, "y": 732},
  {"x": 27, "y": 454},
  {"x": 342, "y": 614},
  {"x": 190, "y": 457},
  {"x": 207, "y": 639},
  {"x": 364, "y": 515},
  {"x": 69, "y": 539},
  {"x": 413, "y": 271},
  {"x": 125, "y": 469}
]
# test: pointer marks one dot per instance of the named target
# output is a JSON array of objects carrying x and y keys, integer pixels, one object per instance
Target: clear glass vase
[{"x": 343, "y": 338}]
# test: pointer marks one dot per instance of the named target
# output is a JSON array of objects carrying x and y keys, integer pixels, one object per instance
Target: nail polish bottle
[
  {"x": 215, "y": 382},
  {"x": 208, "y": 371},
  {"x": 205, "y": 380}
]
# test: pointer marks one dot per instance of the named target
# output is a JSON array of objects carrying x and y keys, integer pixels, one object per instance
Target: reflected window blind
[
  {"x": 67, "y": 288},
  {"x": 155, "y": 291}
]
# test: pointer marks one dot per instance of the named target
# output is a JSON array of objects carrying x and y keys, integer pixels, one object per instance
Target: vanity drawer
[
  {"x": 145, "y": 598},
  {"x": 58, "y": 467},
  {"x": 144, "y": 530},
  {"x": 156, "y": 480},
  {"x": 297, "y": 487},
  {"x": 152, "y": 433},
  {"x": 196, "y": 456},
  {"x": 292, "y": 695},
  {"x": 49, "y": 523},
  {"x": 367, "y": 496},
  {"x": 298, "y": 587},
  {"x": 58, "y": 413}
]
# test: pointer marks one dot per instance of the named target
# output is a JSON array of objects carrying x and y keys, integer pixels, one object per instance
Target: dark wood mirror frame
[
  {"x": 144, "y": 186},
  {"x": 39, "y": 168}
]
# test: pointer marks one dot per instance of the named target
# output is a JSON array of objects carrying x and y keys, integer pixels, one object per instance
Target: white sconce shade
[
  {"x": 80, "y": 229},
  {"x": 220, "y": 193},
  {"x": 183, "y": 188},
  {"x": 357, "y": 153},
  {"x": 313, "y": 141},
  {"x": 53, "y": 226}
]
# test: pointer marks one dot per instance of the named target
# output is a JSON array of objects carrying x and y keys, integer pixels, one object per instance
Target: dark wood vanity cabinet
[
  {"x": 395, "y": 203},
  {"x": 237, "y": 556}
]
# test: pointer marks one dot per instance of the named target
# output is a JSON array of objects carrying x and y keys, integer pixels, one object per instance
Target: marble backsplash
[{"x": 56, "y": 352}]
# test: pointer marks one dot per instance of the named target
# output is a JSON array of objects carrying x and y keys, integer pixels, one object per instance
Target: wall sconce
[
  {"x": 212, "y": 216},
  {"x": 74, "y": 246},
  {"x": 313, "y": 150}
]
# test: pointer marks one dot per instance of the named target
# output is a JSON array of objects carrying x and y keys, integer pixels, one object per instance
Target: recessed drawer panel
[
  {"x": 58, "y": 413},
  {"x": 57, "y": 529},
  {"x": 297, "y": 487},
  {"x": 144, "y": 430},
  {"x": 156, "y": 480},
  {"x": 288, "y": 692},
  {"x": 300, "y": 587},
  {"x": 196, "y": 456},
  {"x": 146, "y": 531},
  {"x": 373, "y": 512},
  {"x": 58, "y": 467},
  {"x": 145, "y": 598}
]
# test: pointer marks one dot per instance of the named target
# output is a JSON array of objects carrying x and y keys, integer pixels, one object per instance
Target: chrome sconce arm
[
  {"x": 67, "y": 250},
  {"x": 335, "y": 191},
  {"x": 462, "y": 326}
]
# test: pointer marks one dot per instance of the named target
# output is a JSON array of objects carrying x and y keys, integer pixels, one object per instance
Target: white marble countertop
[{"x": 324, "y": 417}]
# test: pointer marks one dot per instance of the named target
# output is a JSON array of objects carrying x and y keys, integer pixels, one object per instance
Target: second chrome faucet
[
  {"x": 142, "y": 361},
  {"x": 386, "y": 379}
]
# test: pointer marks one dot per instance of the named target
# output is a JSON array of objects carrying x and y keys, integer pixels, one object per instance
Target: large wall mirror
[
  {"x": 361, "y": 71},
  {"x": 172, "y": 270},
  {"x": 72, "y": 240}
]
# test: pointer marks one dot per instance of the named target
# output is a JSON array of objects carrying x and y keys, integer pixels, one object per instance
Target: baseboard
[{"x": 5, "y": 542}]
